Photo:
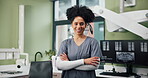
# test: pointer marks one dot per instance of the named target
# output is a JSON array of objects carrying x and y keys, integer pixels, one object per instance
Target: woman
[{"x": 78, "y": 57}]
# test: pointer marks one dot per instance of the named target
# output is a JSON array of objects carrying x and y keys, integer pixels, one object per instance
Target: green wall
[
  {"x": 38, "y": 26},
  {"x": 114, "y": 6},
  {"x": 8, "y": 24}
]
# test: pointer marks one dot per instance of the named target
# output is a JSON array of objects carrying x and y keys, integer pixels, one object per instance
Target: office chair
[{"x": 41, "y": 69}]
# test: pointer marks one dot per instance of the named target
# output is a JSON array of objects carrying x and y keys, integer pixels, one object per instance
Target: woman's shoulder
[
  {"x": 67, "y": 41},
  {"x": 91, "y": 39}
]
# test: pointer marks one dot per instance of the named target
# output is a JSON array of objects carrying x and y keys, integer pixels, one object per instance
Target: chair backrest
[{"x": 41, "y": 69}]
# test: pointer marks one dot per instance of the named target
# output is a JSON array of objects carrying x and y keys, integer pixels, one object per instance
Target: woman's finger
[
  {"x": 61, "y": 54},
  {"x": 96, "y": 62}
]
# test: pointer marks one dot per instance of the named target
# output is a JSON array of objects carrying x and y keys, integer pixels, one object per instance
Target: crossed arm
[{"x": 63, "y": 63}]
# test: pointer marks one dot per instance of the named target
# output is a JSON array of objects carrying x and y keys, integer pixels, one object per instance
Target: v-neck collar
[{"x": 81, "y": 43}]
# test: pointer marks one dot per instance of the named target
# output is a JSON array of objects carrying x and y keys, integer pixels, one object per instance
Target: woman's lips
[{"x": 78, "y": 30}]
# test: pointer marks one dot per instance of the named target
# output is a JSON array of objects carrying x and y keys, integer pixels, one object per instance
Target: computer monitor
[{"x": 129, "y": 52}]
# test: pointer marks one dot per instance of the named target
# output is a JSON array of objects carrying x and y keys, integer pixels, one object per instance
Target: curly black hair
[{"x": 81, "y": 11}]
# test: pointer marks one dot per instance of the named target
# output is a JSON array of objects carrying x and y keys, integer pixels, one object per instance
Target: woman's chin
[{"x": 79, "y": 33}]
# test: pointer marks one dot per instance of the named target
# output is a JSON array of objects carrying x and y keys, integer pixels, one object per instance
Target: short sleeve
[
  {"x": 95, "y": 49},
  {"x": 63, "y": 47}
]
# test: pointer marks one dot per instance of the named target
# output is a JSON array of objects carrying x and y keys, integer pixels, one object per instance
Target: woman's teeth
[{"x": 78, "y": 30}]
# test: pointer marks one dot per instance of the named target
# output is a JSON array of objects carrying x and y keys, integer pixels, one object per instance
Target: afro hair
[{"x": 81, "y": 11}]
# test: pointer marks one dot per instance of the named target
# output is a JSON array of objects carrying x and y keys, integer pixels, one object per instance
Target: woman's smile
[{"x": 78, "y": 30}]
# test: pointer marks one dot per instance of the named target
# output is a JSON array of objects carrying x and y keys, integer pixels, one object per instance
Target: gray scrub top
[{"x": 89, "y": 48}]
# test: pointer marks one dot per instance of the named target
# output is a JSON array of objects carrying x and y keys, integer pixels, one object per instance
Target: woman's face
[{"x": 78, "y": 25}]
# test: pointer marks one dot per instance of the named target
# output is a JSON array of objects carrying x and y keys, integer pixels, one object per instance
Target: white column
[{"x": 21, "y": 28}]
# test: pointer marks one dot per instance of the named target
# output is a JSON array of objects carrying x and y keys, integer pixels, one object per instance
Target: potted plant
[{"x": 50, "y": 53}]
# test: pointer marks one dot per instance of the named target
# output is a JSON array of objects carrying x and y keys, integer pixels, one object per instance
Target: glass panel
[
  {"x": 61, "y": 7},
  {"x": 93, "y": 4},
  {"x": 62, "y": 32},
  {"x": 89, "y": 3},
  {"x": 99, "y": 31}
]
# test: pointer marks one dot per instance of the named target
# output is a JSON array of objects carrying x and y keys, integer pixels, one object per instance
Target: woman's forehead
[{"x": 78, "y": 19}]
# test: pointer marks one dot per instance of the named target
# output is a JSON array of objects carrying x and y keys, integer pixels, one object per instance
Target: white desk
[{"x": 24, "y": 69}]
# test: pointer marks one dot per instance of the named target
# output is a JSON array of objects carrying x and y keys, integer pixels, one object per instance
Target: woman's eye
[
  {"x": 76, "y": 24},
  {"x": 81, "y": 23}
]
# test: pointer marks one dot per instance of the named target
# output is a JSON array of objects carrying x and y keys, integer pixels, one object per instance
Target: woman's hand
[
  {"x": 92, "y": 61},
  {"x": 64, "y": 57}
]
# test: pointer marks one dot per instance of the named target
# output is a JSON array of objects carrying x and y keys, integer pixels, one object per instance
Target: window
[
  {"x": 62, "y": 27},
  {"x": 61, "y": 7}
]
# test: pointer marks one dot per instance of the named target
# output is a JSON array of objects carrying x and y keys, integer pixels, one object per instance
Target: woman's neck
[{"x": 79, "y": 36}]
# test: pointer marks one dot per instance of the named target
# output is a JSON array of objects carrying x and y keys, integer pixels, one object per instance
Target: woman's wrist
[{"x": 84, "y": 61}]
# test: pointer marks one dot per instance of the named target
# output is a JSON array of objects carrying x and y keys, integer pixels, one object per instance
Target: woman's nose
[{"x": 78, "y": 25}]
